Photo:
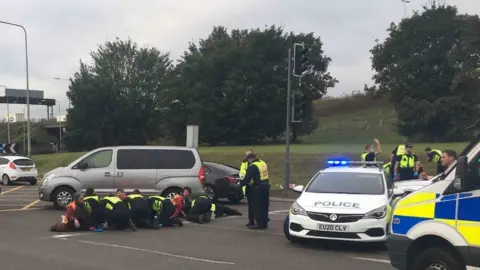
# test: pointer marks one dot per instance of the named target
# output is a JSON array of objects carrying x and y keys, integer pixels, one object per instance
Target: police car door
[{"x": 468, "y": 213}]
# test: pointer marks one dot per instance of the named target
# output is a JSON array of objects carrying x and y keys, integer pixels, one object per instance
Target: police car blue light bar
[{"x": 344, "y": 162}]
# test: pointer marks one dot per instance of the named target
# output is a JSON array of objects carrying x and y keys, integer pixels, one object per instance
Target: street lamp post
[
  {"x": 63, "y": 79},
  {"x": 29, "y": 142},
  {"x": 59, "y": 149},
  {"x": 405, "y": 2}
]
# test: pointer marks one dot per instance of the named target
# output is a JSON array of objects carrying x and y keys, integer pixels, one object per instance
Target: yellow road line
[
  {"x": 11, "y": 190},
  {"x": 30, "y": 204}
]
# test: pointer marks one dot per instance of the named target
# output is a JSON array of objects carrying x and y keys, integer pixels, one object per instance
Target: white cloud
[{"x": 62, "y": 32}]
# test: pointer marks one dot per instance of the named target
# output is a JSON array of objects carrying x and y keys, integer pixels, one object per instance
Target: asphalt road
[
  {"x": 225, "y": 243},
  {"x": 20, "y": 196}
]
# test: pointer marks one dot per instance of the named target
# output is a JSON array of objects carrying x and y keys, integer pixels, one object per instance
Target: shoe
[
  {"x": 249, "y": 224},
  {"x": 201, "y": 218},
  {"x": 208, "y": 217},
  {"x": 257, "y": 227},
  {"x": 132, "y": 225},
  {"x": 178, "y": 222}
]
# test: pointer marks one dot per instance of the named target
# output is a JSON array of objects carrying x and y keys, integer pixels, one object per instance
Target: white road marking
[
  {"x": 233, "y": 229},
  {"x": 60, "y": 236},
  {"x": 149, "y": 251},
  {"x": 371, "y": 259},
  {"x": 279, "y": 211}
]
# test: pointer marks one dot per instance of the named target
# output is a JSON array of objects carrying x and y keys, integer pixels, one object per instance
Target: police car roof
[{"x": 357, "y": 169}]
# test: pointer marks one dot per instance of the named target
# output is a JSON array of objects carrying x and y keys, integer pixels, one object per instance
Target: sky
[{"x": 60, "y": 33}]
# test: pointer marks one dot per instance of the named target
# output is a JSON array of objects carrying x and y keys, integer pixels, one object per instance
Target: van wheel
[
  {"x": 5, "y": 180},
  {"x": 169, "y": 193},
  {"x": 286, "y": 231},
  {"x": 62, "y": 197},
  {"x": 32, "y": 182},
  {"x": 437, "y": 259}
]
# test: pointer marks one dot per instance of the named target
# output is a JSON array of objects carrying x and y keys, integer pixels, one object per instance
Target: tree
[
  {"x": 233, "y": 85},
  {"x": 427, "y": 66},
  {"x": 117, "y": 99}
]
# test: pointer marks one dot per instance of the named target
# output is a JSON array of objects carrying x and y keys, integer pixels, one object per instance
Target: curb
[{"x": 277, "y": 199}]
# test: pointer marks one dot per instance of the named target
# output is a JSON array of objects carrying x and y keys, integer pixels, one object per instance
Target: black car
[{"x": 221, "y": 182}]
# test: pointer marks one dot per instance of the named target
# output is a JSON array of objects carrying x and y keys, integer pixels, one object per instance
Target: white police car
[{"x": 342, "y": 202}]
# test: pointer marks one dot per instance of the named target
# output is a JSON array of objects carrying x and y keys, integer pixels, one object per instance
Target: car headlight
[
  {"x": 378, "y": 213},
  {"x": 296, "y": 209},
  {"x": 48, "y": 178}
]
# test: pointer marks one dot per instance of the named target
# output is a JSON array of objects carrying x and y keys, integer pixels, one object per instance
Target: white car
[
  {"x": 344, "y": 203},
  {"x": 17, "y": 169}
]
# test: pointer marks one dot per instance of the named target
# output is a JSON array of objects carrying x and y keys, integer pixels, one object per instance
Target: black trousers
[
  {"x": 262, "y": 204},
  {"x": 250, "y": 193}
]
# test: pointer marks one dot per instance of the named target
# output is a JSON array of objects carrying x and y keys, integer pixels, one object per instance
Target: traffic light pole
[{"x": 287, "y": 127}]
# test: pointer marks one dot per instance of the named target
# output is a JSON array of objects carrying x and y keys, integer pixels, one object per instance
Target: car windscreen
[
  {"x": 23, "y": 162},
  {"x": 222, "y": 167},
  {"x": 347, "y": 183}
]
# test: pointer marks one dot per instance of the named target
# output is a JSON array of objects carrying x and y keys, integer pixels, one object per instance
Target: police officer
[
  {"x": 434, "y": 155},
  {"x": 397, "y": 151},
  {"x": 163, "y": 212},
  {"x": 370, "y": 153},
  {"x": 118, "y": 215},
  {"x": 94, "y": 208},
  {"x": 247, "y": 191},
  {"x": 386, "y": 168},
  {"x": 202, "y": 210},
  {"x": 258, "y": 173},
  {"x": 407, "y": 165},
  {"x": 139, "y": 208}
]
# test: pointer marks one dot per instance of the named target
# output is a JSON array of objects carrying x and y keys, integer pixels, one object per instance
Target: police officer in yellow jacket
[
  {"x": 94, "y": 208},
  {"x": 247, "y": 191},
  {"x": 407, "y": 165},
  {"x": 257, "y": 176},
  {"x": 118, "y": 215},
  {"x": 371, "y": 153},
  {"x": 434, "y": 155},
  {"x": 139, "y": 208}
]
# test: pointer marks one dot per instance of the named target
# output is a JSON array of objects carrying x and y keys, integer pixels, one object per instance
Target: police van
[
  {"x": 438, "y": 226},
  {"x": 342, "y": 202}
]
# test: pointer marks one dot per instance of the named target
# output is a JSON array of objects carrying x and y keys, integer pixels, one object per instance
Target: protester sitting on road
[
  {"x": 139, "y": 208},
  {"x": 76, "y": 217},
  {"x": 95, "y": 209},
  {"x": 118, "y": 215},
  {"x": 202, "y": 209}
]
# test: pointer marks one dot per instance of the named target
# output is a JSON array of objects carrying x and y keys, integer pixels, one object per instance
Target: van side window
[
  {"x": 100, "y": 159},
  {"x": 137, "y": 159},
  {"x": 176, "y": 159}
]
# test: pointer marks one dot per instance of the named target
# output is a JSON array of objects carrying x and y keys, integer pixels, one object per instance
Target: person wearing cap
[
  {"x": 407, "y": 165},
  {"x": 434, "y": 155},
  {"x": 258, "y": 173},
  {"x": 371, "y": 153}
]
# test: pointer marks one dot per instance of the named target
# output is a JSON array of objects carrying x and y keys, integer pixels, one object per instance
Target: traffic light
[
  {"x": 300, "y": 60},
  {"x": 298, "y": 107}
]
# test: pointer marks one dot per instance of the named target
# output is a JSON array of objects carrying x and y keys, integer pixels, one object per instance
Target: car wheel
[
  {"x": 235, "y": 199},
  {"x": 437, "y": 259},
  {"x": 32, "y": 182},
  {"x": 169, "y": 193},
  {"x": 211, "y": 192},
  {"x": 62, "y": 197},
  {"x": 5, "y": 180},
  {"x": 286, "y": 231}
]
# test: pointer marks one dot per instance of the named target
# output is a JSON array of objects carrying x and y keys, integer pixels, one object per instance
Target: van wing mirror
[{"x": 82, "y": 165}]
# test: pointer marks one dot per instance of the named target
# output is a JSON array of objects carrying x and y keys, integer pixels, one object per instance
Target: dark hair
[
  {"x": 251, "y": 156},
  {"x": 136, "y": 191},
  {"x": 120, "y": 190},
  {"x": 77, "y": 196},
  {"x": 90, "y": 191},
  {"x": 367, "y": 146},
  {"x": 428, "y": 149},
  {"x": 450, "y": 153},
  {"x": 188, "y": 189}
]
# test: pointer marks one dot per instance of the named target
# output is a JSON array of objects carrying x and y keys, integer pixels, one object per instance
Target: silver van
[{"x": 159, "y": 170}]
